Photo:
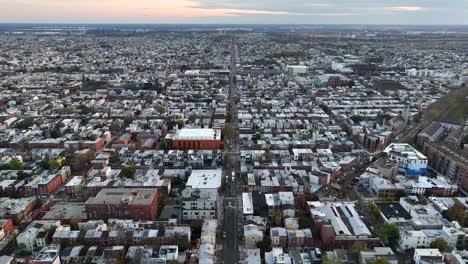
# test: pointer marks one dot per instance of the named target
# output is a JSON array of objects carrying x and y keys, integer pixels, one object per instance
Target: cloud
[
  {"x": 232, "y": 11},
  {"x": 406, "y": 8},
  {"x": 219, "y": 10},
  {"x": 236, "y": 11}
]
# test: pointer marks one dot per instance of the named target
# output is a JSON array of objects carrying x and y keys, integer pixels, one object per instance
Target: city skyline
[{"x": 407, "y": 12}]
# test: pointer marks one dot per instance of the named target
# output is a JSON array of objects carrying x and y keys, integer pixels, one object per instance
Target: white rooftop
[
  {"x": 198, "y": 133},
  {"x": 247, "y": 203},
  {"x": 204, "y": 179}
]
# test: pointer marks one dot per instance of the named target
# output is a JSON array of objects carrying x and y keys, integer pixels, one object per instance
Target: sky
[{"x": 417, "y": 12}]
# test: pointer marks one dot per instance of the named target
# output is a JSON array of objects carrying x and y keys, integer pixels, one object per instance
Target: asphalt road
[{"x": 231, "y": 155}]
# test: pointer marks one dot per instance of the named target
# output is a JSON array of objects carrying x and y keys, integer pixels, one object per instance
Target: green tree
[
  {"x": 26, "y": 123},
  {"x": 229, "y": 132},
  {"x": 331, "y": 260},
  {"x": 357, "y": 118},
  {"x": 441, "y": 244},
  {"x": 171, "y": 124},
  {"x": 184, "y": 245},
  {"x": 252, "y": 93},
  {"x": 161, "y": 109},
  {"x": 50, "y": 234},
  {"x": 53, "y": 164},
  {"x": 164, "y": 145},
  {"x": 457, "y": 213},
  {"x": 258, "y": 136},
  {"x": 128, "y": 171},
  {"x": 375, "y": 210},
  {"x": 357, "y": 247},
  {"x": 55, "y": 132},
  {"x": 81, "y": 160},
  {"x": 392, "y": 231},
  {"x": 15, "y": 164},
  {"x": 74, "y": 224},
  {"x": 20, "y": 175},
  {"x": 277, "y": 217},
  {"x": 381, "y": 260},
  {"x": 388, "y": 233}
]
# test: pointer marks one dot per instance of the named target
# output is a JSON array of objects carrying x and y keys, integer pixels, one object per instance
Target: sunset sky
[{"x": 236, "y": 11}]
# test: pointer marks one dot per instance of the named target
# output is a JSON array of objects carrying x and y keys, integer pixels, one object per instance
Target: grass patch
[{"x": 452, "y": 108}]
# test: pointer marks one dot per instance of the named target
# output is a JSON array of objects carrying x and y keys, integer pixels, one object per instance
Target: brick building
[
  {"x": 449, "y": 161},
  {"x": 136, "y": 204},
  {"x": 196, "y": 138}
]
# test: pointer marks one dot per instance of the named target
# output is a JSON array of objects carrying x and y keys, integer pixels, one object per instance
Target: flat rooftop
[
  {"x": 119, "y": 196},
  {"x": 66, "y": 211},
  {"x": 247, "y": 203},
  {"x": 205, "y": 179},
  {"x": 198, "y": 134},
  {"x": 393, "y": 210}
]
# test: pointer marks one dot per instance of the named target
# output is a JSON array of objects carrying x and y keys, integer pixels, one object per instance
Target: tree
[
  {"x": 375, "y": 210},
  {"x": 55, "y": 132},
  {"x": 277, "y": 217},
  {"x": 15, "y": 164},
  {"x": 357, "y": 118},
  {"x": 258, "y": 136},
  {"x": 380, "y": 260},
  {"x": 128, "y": 171},
  {"x": 392, "y": 231},
  {"x": 229, "y": 132},
  {"x": 26, "y": 123},
  {"x": 351, "y": 83},
  {"x": 50, "y": 234},
  {"x": 331, "y": 260},
  {"x": 388, "y": 233},
  {"x": 184, "y": 245},
  {"x": 54, "y": 164},
  {"x": 457, "y": 213},
  {"x": 81, "y": 160},
  {"x": 171, "y": 124},
  {"x": 164, "y": 145},
  {"x": 161, "y": 109},
  {"x": 357, "y": 247},
  {"x": 20, "y": 175},
  {"x": 74, "y": 224},
  {"x": 441, "y": 244}
]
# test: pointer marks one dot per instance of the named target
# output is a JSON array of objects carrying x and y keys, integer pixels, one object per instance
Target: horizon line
[{"x": 253, "y": 24}]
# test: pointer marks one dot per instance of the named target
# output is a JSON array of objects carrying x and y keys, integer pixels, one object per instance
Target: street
[{"x": 232, "y": 167}]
